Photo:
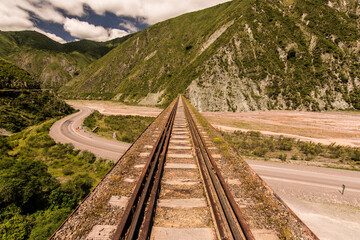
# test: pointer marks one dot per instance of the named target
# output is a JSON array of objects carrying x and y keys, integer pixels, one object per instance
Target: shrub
[
  {"x": 67, "y": 171},
  {"x": 27, "y": 184},
  {"x": 47, "y": 222},
  {"x": 283, "y": 157},
  {"x": 285, "y": 143},
  {"x": 260, "y": 151},
  {"x": 78, "y": 187},
  {"x": 310, "y": 148},
  {"x": 355, "y": 155},
  {"x": 255, "y": 134},
  {"x": 87, "y": 156}
]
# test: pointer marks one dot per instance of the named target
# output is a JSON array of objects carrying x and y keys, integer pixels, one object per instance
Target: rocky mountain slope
[
  {"x": 238, "y": 56},
  {"x": 54, "y": 64}
]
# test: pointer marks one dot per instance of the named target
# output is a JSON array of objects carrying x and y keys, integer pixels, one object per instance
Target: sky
[{"x": 98, "y": 20}]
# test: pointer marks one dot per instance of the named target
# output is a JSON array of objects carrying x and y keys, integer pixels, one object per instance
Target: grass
[
  {"x": 35, "y": 143},
  {"x": 255, "y": 144},
  {"x": 127, "y": 128}
]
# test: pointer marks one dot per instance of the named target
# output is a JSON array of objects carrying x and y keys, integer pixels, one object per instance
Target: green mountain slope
[
  {"x": 54, "y": 64},
  {"x": 22, "y": 102},
  {"x": 13, "y": 77},
  {"x": 240, "y": 55}
]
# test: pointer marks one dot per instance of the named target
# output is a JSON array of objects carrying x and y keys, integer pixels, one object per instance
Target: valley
[
  {"x": 313, "y": 193},
  {"x": 247, "y": 113}
]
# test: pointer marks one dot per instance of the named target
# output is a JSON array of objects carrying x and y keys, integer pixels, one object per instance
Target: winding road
[
  {"x": 65, "y": 131},
  {"x": 313, "y": 193}
]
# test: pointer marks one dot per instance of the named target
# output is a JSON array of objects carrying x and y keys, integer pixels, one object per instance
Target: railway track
[
  {"x": 229, "y": 221},
  {"x": 137, "y": 220},
  {"x": 169, "y": 186}
]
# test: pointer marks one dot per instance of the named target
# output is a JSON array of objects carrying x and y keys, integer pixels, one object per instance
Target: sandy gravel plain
[
  {"x": 342, "y": 128},
  {"x": 116, "y": 108}
]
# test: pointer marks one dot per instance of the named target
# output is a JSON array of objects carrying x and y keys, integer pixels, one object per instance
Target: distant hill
[
  {"x": 237, "y": 56},
  {"x": 54, "y": 64},
  {"x": 22, "y": 102}
]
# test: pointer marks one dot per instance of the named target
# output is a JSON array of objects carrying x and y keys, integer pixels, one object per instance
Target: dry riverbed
[
  {"x": 342, "y": 127},
  {"x": 116, "y": 108}
]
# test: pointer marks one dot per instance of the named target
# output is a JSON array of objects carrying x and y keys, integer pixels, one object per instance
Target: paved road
[
  {"x": 314, "y": 194},
  {"x": 308, "y": 176},
  {"x": 64, "y": 131}
]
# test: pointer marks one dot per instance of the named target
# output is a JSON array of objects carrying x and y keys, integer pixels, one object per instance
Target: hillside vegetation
[
  {"x": 126, "y": 127},
  {"x": 237, "y": 56},
  {"x": 41, "y": 182},
  {"x": 22, "y": 102},
  {"x": 255, "y": 144},
  {"x": 13, "y": 77},
  {"x": 54, "y": 64}
]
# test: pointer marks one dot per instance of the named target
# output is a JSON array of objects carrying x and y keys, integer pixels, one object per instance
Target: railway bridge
[{"x": 181, "y": 180}]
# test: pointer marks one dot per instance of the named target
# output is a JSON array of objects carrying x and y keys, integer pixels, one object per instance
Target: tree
[{"x": 27, "y": 184}]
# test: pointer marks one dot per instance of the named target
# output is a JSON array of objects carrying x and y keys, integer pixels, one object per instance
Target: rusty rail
[
  {"x": 229, "y": 221},
  {"x": 136, "y": 221}
]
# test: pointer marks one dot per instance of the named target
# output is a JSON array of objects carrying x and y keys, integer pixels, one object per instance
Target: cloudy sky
[{"x": 98, "y": 20}]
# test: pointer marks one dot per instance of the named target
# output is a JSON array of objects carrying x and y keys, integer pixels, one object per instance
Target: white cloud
[
  {"x": 72, "y": 7},
  {"x": 153, "y": 10},
  {"x": 13, "y": 18},
  {"x": 51, "y": 35},
  {"x": 129, "y": 26},
  {"x": 116, "y": 33},
  {"x": 14, "y": 14},
  {"x": 42, "y": 9},
  {"x": 80, "y": 29}
]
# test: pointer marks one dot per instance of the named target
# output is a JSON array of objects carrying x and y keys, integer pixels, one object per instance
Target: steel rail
[
  {"x": 133, "y": 222},
  {"x": 228, "y": 208}
]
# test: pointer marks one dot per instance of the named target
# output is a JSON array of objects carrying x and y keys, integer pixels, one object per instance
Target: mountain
[
  {"x": 22, "y": 102},
  {"x": 53, "y": 63},
  {"x": 237, "y": 56}
]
